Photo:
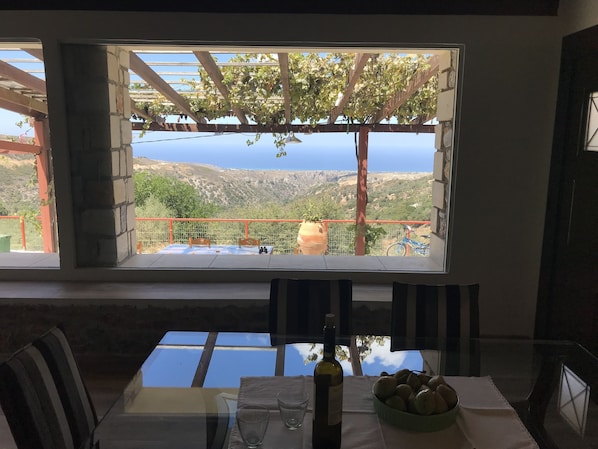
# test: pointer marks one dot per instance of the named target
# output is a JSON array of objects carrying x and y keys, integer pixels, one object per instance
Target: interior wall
[
  {"x": 576, "y": 15},
  {"x": 510, "y": 74}
]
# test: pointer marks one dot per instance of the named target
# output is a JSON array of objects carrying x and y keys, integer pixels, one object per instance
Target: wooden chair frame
[
  {"x": 199, "y": 241},
  {"x": 249, "y": 242}
]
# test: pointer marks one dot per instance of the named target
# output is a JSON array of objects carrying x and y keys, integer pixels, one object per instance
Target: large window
[
  {"x": 360, "y": 140},
  {"x": 319, "y": 151}
]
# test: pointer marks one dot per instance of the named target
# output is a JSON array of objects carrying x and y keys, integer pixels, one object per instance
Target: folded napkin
[{"x": 485, "y": 420}]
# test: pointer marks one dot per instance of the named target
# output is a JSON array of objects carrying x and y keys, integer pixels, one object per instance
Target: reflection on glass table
[{"x": 191, "y": 381}]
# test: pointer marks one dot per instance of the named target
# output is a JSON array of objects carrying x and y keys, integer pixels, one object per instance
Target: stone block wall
[
  {"x": 100, "y": 137},
  {"x": 444, "y": 141}
]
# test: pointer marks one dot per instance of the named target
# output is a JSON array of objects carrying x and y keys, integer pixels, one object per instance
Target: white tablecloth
[{"x": 485, "y": 420}]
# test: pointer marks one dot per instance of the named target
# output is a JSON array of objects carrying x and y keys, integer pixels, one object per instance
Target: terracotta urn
[{"x": 312, "y": 238}]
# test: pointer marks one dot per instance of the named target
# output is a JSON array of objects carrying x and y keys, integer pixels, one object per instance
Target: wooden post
[
  {"x": 44, "y": 180},
  {"x": 362, "y": 190}
]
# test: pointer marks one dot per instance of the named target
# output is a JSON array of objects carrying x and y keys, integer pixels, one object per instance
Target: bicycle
[{"x": 419, "y": 248}]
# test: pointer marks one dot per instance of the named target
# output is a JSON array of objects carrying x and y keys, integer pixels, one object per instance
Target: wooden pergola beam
[
  {"x": 23, "y": 78},
  {"x": 399, "y": 98},
  {"x": 283, "y": 62},
  {"x": 22, "y": 103},
  {"x": 139, "y": 112},
  {"x": 18, "y": 109},
  {"x": 208, "y": 63},
  {"x": 35, "y": 52},
  {"x": 327, "y": 128},
  {"x": 154, "y": 80},
  {"x": 17, "y": 147},
  {"x": 360, "y": 61}
]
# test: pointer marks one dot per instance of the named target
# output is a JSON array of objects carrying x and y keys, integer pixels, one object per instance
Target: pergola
[{"x": 157, "y": 94}]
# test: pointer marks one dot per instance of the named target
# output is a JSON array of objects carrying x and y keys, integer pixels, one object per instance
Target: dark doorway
[{"x": 568, "y": 294}]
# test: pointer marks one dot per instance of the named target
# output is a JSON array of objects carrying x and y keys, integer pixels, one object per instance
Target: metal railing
[{"x": 153, "y": 234}]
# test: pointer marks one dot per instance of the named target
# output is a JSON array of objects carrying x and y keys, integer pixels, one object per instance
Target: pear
[
  {"x": 448, "y": 394},
  {"x": 435, "y": 381},
  {"x": 411, "y": 405},
  {"x": 404, "y": 391},
  {"x": 441, "y": 405},
  {"x": 413, "y": 381},
  {"x": 425, "y": 402},
  {"x": 424, "y": 378},
  {"x": 401, "y": 375},
  {"x": 384, "y": 387},
  {"x": 423, "y": 387},
  {"x": 396, "y": 402}
]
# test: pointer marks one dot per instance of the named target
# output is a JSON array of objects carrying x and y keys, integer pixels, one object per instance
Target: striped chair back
[
  {"x": 438, "y": 317},
  {"x": 298, "y": 308},
  {"x": 77, "y": 403},
  {"x": 31, "y": 403}
]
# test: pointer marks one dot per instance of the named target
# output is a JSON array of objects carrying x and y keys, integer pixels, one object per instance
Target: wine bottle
[{"x": 328, "y": 394}]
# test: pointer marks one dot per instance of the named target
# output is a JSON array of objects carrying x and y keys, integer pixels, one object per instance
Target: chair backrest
[
  {"x": 435, "y": 311},
  {"x": 298, "y": 308},
  {"x": 438, "y": 317},
  {"x": 249, "y": 242},
  {"x": 31, "y": 403},
  {"x": 77, "y": 403},
  {"x": 199, "y": 241}
]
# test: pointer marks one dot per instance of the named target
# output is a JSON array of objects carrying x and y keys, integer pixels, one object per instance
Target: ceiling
[{"x": 402, "y": 7}]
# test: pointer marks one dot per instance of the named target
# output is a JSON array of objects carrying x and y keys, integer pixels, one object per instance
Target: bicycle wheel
[
  {"x": 391, "y": 246},
  {"x": 401, "y": 249}
]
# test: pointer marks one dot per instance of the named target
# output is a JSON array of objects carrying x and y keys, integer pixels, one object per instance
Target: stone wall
[
  {"x": 444, "y": 142},
  {"x": 98, "y": 111},
  {"x": 134, "y": 327}
]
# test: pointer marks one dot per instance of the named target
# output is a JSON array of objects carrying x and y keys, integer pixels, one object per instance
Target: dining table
[
  {"x": 237, "y": 250},
  {"x": 514, "y": 393}
]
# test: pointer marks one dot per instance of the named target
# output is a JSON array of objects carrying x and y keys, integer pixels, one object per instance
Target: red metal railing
[{"x": 155, "y": 233}]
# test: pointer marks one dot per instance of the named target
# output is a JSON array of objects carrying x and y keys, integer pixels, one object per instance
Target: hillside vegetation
[{"x": 253, "y": 193}]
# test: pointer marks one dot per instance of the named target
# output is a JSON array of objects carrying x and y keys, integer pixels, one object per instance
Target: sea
[{"x": 387, "y": 152}]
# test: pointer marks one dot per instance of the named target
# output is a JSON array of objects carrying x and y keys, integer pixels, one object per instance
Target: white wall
[{"x": 508, "y": 100}]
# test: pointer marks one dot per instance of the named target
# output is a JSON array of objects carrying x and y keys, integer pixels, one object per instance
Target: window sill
[{"x": 183, "y": 268}]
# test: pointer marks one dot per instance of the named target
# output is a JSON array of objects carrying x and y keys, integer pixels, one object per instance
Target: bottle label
[{"x": 335, "y": 404}]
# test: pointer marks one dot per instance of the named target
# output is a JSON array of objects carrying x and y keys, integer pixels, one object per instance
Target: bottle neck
[{"x": 329, "y": 343}]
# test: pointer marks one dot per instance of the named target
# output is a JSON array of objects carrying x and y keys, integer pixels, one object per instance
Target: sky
[{"x": 388, "y": 152}]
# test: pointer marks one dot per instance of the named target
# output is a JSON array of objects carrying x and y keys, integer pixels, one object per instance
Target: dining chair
[
  {"x": 76, "y": 400},
  {"x": 31, "y": 402},
  {"x": 249, "y": 242},
  {"x": 298, "y": 307},
  {"x": 440, "y": 320},
  {"x": 199, "y": 241}
]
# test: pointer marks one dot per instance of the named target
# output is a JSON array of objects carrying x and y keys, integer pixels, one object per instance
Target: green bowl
[{"x": 413, "y": 422}]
